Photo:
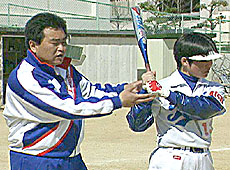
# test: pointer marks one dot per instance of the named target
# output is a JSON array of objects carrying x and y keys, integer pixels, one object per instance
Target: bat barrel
[{"x": 140, "y": 34}]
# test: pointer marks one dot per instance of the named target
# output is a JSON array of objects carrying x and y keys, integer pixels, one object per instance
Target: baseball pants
[
  {"x": 20, "y": 161},
  {"x": 180, "y": 159}
]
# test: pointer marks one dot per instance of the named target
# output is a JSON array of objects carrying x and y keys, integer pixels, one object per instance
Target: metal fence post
[
  {"x": 8, "y": 14},
  {"x": 48, "y": 5},
  {"x": 220, "y": 20},
  {"x": 182, "y": 24},
  {"x": 97, "y": 14}
]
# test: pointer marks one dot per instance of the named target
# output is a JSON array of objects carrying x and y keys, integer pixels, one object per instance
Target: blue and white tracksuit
[
  {"x": 46, "y": 105},
  {"x": 183, "y": 122}
]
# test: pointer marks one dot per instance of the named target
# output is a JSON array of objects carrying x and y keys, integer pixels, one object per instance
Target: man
[
  {"x": 185, "y": 108},
  {"x": 47, "y": 99}
]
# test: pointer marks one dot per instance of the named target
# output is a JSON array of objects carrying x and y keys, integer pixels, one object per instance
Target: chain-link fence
[
  {"x": 79, "y": 14},
  {"x": 109, "y": 15},
  {"x": 112, "y": 15},
  {"x": 222, "y": 72}
]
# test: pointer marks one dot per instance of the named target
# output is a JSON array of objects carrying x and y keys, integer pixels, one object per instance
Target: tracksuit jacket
[{"x": 46, "y": 105}]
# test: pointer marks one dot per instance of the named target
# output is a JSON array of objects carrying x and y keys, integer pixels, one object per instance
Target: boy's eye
[{"x": 55, "y": 43}]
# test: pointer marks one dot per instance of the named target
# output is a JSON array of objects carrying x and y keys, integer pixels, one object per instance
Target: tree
[
  {"x": 163, "y": 19},
  {"x": 120, "y": 13},
  {"x": 210, "y": 22},
  {"x": 171, "y": 6}
]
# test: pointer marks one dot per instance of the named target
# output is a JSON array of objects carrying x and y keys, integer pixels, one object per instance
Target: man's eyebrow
[{"x": 53, "y": 39}]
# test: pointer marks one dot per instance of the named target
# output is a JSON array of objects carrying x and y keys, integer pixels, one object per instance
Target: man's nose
[{"x": 62, "y": 47}]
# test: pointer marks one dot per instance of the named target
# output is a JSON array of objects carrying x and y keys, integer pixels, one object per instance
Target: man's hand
[
  {"x": 136, "y": 84},
  {"x": 129, "y": 97}
]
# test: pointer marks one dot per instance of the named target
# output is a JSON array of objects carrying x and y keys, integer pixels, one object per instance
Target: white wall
[
  {"x": 109, "y": 63},
  {"x": 108, "y": 59}
]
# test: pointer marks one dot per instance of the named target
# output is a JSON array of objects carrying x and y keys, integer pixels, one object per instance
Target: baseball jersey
[
  {"x": 45, "y": 106},
  {"x": 188, "y": 122}
]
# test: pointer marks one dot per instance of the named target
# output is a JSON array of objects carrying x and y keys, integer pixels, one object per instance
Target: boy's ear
[{"x": 184, "y": 61}]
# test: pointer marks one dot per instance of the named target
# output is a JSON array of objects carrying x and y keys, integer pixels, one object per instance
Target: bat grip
[{"x": 147, "y": 66}]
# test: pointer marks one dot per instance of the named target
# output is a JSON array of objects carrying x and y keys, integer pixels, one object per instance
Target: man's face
[
  {"x": 53, "y": 46},
  {"x": 199, "y": 69}
]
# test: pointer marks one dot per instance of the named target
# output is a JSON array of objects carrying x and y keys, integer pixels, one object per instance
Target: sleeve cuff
[
  {"x": 116, "y": 102},
  {"x": 143, "y": 91},
  {"x": 121, "y": 87},
  {"x": 172, "y": 98}
]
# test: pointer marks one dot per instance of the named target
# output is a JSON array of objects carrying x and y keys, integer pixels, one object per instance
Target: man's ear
[{"x": 33, "y": 46}]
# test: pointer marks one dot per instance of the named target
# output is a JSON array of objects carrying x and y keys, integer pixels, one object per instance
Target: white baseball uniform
[{"x": 184, "y": 125}]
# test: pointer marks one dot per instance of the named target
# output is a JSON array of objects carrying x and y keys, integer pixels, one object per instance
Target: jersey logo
[
  {"x": 178, "y": 118},
  {"x": 177, "y": 157},
  {"x": 217, "y": 96}
]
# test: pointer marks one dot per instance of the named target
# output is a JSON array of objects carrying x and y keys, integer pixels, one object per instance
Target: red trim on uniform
[
  {"x": 74, "y": 87},
  {"x": 59, "y": 142},
  {"x": 40, "y": 60},
  {"x": 66, "y": 62},
  {"x": 42, "y": 137}
]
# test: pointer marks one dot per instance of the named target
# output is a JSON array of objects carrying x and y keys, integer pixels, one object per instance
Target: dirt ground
[{"x": 109, "y": 144}]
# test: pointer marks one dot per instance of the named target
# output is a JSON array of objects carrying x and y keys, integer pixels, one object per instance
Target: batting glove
[{"x": 155, "y": 88}]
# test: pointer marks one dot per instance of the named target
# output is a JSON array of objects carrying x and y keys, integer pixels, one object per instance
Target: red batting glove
[{"x": 155, "y": 88}]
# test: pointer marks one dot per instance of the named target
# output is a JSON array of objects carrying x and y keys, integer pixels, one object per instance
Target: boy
[{"x": 185, "y": 108}]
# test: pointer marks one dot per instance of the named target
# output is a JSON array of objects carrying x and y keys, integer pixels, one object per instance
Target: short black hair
[
  {"x": 191, "y": 44},
  {"x": 34, "y": 29}
]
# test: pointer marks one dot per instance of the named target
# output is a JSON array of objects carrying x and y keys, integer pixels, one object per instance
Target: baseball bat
[{"x": 140, "y": 34}]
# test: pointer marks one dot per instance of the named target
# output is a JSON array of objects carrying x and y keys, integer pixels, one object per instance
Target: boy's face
[
  {"x": 52, "y": 48},
  {"x": 199, "y": 69}
]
